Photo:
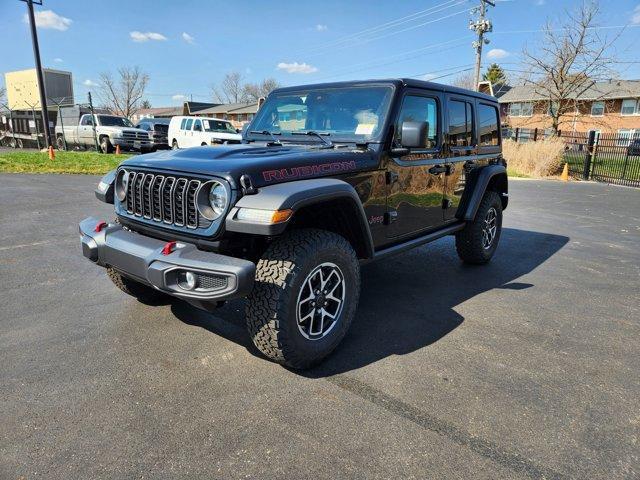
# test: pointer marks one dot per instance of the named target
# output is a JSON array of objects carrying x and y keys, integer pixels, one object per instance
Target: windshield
[
  {"x": 218, "y": 126},
  {"x": 347, "y": 113},
  {"x": 113, "y": 121}
]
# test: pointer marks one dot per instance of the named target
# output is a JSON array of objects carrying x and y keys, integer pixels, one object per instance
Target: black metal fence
[{"x": 604, "y": 157}]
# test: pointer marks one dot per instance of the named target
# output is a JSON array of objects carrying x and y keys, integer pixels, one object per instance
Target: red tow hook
[
  {"x": 100, "y": 226},
  {"x": 168, "y": 248}
]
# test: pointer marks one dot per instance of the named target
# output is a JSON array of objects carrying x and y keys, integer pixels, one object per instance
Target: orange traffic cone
[
  {"x": 117, "y": 149},
  {"x": 52, "y": 153},
  {"x": 565, "y": 173}
]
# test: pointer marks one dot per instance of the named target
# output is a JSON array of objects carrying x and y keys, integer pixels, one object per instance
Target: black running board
[{"x": 416, "y": 242}]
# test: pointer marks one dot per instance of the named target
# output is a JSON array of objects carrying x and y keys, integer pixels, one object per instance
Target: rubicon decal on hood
[{"x": 307, "y": 171}]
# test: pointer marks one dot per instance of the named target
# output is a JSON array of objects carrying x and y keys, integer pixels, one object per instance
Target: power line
[
  {"x": 375, "y": 63},
  {"x": 393, "y": 23},
  {"x": 603, "y": 27}
]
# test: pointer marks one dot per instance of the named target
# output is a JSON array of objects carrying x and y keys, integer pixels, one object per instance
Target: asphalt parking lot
[{"x": 525, "y": 368}]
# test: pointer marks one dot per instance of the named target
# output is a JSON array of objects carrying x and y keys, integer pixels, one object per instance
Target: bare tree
[
  {"x": 145, "y": 104},
  {"x": 253, "y": 91},
  {"x": 567, "y": 62},
  {"x": 465, "y": 80},
  {"x": 3, "y": 92},
  {"x": 123, "y": 95},
  {"x": 230, "y": 89}
]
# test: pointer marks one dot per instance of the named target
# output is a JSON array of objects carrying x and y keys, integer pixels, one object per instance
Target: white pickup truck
[{"x": 110, "y": 130}]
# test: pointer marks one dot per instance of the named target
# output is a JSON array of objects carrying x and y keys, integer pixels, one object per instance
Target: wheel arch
[
  {"x": 325, "y": 203},
  {"x": 489, "y": 178}
]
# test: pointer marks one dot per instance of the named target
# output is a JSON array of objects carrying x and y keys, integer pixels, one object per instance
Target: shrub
[{"x": 536, "y": 159}]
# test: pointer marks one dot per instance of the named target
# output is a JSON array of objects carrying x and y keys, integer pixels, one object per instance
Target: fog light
[{"x": 188, "y": 280}]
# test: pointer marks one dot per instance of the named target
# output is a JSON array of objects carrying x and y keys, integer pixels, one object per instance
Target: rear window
[{"x": 488, "y": 124}]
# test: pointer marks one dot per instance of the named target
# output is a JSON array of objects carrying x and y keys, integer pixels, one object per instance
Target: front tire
[
  {"x": 477, "y": 242},
  {"x": 142, "y": 292},
  {"x": 174, "y": 145},
  {"x": 305, "y": 297},
  {"x": 105, "y": 145}
]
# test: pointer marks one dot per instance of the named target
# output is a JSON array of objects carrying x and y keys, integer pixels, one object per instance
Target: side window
[
  {"x": 197, "y": 126},
  {"x": 183, "y": 124},
  {"x": 460, "y": 124},
  {"x": 488, "y": 124},
  {"x": 86, "y": 120},
  {"x": 419, "y": 109},
  {"x": 189, "y": 123}
]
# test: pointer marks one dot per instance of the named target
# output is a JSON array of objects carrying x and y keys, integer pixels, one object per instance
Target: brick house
[{"x": 606, "y": 107}]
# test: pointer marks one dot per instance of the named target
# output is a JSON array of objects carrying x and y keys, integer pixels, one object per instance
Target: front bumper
[
  {"x": 131, "y": 144},
  {"x": 141, "y": 258}
]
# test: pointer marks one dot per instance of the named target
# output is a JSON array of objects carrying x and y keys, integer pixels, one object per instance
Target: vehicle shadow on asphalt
[{"x": 407, "y": 302}]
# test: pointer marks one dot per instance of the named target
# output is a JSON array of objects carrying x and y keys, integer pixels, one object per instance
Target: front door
[{"x": 416, "y": 181}]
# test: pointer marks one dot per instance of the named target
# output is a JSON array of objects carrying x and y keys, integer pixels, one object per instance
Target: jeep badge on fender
[{"x": 333, "y": 175}]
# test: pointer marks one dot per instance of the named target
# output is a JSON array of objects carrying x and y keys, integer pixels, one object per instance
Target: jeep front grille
[{"x": 164, "y": 199}]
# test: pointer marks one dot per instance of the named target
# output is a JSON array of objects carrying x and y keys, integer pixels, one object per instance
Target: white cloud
[
  {"x": 178, "y": 97},
  {"x": 89, "y": 83},
  {"x": 539, "y": 3},
  {"x": 50, "y": 19},
  {"x": 428, "y": 76},
  {"x": 188, "y": 38},
  {"x": 496, "y": 53},
  {"x": 58, "y": 60},
  {"x": 635, "y": 18},
  {"x": 146, "y": 36},
  {"x": 321, "y": 28},
  {"x": 296, "y": 67}
]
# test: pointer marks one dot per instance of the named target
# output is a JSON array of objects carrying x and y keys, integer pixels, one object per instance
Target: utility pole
[
  {"x": 93, "y": 123},
  {"x": 480, "y": 26},
  {"x": 36, "y": 54}
]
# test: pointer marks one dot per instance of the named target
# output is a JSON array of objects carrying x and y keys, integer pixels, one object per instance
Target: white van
[{"x": 185, "y": 132}]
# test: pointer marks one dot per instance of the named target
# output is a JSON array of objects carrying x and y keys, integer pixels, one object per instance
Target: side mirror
[{"x": 414, "y": 134}]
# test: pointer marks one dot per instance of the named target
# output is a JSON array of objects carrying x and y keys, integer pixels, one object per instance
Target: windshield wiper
[
  {"x": 328, "y": 143},
  {"x": 274, "y": 141}
]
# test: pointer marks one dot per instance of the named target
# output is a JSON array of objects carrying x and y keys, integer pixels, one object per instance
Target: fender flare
[
  {"x": 296, "y": 195},
  {"x": 478, "y": 184}
]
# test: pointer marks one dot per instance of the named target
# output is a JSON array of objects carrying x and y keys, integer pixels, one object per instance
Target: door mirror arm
[{"x": 399, "y": 151}]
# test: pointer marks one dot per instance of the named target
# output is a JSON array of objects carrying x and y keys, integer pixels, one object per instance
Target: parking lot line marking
[
  {"x": 33, "y": 244},
  {"x": 485, "y": 448}
]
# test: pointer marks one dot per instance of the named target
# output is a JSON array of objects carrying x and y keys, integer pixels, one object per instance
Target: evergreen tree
[{"x": 495, "y": 74}]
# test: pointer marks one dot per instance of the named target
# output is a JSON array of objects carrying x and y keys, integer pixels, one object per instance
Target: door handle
[{"x": 438, "y": 169}]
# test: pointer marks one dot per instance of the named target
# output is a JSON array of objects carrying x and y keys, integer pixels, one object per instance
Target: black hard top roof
[{"x": 398, "y": 82}]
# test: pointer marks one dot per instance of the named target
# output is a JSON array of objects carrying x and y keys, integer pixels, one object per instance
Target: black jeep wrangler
[{"x": 328, "y": 177}]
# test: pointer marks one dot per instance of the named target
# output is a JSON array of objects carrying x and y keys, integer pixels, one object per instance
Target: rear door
[
  {"x": 85, "y": 130},
  {"x": 473, "y": 141},
  {"x": 416, "y": 181}
]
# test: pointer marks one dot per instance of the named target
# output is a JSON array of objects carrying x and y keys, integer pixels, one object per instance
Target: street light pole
[{"x": 36, "y": 54}]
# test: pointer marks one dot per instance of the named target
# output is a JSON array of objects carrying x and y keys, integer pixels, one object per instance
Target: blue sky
[{"x": 187, "y": 46}]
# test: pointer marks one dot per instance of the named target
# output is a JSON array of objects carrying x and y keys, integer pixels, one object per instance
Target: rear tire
[
  {"x": 478, "y": 241},
  {"x": 60, "y": 142},
  {"x": 142, "y": 292},
  {"x": 305, "y": 297}
]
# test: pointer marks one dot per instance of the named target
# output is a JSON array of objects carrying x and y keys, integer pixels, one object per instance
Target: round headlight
[
  {"x": 213, "y": 200},
  {"x": 122, "y": 182},
  {"x": 218, "y": 199}
]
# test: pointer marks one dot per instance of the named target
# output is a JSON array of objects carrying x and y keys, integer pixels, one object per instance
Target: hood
[
  {"x": 225, "y": 136},
  {"x": 109, "y": 129},
  {"x": 265, "y": 165}
]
